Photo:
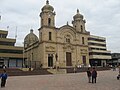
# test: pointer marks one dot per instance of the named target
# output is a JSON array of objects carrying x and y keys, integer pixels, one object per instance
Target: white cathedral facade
[{"x": 65, "y": 46}]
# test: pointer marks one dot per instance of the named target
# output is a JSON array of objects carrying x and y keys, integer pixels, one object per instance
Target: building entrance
[
  {"x": 50, "y": 60},
  {"x": 68, "y": 59},
  {"x": 84, "y": 60}
]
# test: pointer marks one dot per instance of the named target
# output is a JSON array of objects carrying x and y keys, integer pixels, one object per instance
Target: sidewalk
[{"x": 77, "y": 81}]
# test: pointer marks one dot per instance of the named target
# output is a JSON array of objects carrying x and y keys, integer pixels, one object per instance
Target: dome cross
[
  {"x": 47, "y": 2},
  {"x": 77, "y": 11}
]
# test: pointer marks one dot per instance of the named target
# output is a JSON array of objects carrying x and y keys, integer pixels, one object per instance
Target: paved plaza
[{"x": 106, "y": 80}]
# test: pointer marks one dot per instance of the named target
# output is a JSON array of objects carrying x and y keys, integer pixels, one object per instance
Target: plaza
[{"x": 106, "y": 80}]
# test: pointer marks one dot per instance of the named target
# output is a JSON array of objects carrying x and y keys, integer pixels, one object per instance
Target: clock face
[{"x": 49, "y": 15}]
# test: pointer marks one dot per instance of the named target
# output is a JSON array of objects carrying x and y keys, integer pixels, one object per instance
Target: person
[
  {"x": 118, "y": 77},
  {"x": 94, "y": 75},
  {"x": 4, "y": 66},
  {"x": 3, "y": 77},
  {"x": 75, "y": 69},
  {"x": 114, "y": 67},
  {"x": 89, "y": 75},
  {"x": 119, "y": 69}
]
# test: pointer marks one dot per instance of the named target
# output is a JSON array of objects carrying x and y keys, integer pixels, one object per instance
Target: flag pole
[{"x": 16, "y": 33}]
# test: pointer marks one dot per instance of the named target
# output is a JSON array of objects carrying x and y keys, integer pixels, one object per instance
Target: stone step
[
  {"x": 57, "y": 71},
  {"x": 18, "y": 72}
]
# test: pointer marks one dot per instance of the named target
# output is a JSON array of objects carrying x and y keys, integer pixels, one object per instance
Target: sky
[{"x": 102, "y": 18}]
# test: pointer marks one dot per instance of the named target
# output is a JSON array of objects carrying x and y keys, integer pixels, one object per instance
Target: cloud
[{"x": 102, "y": 17}]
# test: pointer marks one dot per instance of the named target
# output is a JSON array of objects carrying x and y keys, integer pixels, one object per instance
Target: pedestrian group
[{"x": 92, "y": 74}]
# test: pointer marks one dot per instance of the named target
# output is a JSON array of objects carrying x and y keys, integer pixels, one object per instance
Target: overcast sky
[{"x": 102, "y": 17}]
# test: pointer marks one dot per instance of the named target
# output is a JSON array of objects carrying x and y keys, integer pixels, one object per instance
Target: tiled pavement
[{"x": 106, "y": 80}]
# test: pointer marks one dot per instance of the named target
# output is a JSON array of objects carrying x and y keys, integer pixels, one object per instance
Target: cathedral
[{"x": 65, "y": 46}]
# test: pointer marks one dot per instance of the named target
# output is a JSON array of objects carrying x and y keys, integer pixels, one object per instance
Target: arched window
[
  {"x": 41, "y": 36},
  {"x": 67, "y": 39},
  {"x": 81, "y": 28},
  {"x": 49, "y": 21},
  {"x": 83, "y": 40},
  {"x": 50, "y": 36},
  {"x": 75, "y": 26}
]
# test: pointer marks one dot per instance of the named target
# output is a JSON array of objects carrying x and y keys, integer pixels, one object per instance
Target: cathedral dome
[
  {"x": 47, "y": 7},
  {"x": 78, "y": 15},
  {"x": 30, "y": 38}
]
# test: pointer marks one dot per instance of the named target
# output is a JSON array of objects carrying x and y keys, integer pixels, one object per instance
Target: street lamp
[
  {"x": 23, "y": 56},
  {"x": 26, "y": 62},
  {"x": 56, "y": 56}
]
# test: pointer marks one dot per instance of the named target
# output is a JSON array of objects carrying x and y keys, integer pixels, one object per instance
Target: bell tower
[
  {"x": 47, "y": 16},
  {"x": 78, "y": 22}
]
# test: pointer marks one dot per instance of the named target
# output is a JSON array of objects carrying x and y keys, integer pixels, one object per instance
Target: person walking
[
  {"x": 3, "y": 77},
  {"x": 118, "y": 76},
  {"x": 119, "y": 69},
  {"x": 89, "y": 75},
  {"x": 94, "y": 75}
]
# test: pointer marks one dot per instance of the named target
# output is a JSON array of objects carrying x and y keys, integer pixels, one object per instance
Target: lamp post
[
  {"x": 56, "y": 56},
  {"x": 23, "y": 56}
]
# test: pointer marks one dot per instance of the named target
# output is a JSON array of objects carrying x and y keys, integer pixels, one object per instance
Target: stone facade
[{"x": 66, "y": 46}]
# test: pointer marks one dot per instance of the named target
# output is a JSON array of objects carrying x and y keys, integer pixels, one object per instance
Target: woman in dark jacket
[
  {"x": 94, "y": 75},
  {"x": 3, "y": 77}
]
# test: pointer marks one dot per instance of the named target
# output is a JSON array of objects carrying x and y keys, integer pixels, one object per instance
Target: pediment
[
  {"x": 67, "y": 27},
  {"x": 50, "y": 49}
]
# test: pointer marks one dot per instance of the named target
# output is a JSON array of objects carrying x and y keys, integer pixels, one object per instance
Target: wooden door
[{"x": 68, "y": 59}]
